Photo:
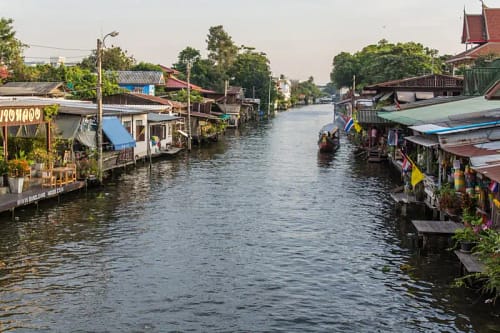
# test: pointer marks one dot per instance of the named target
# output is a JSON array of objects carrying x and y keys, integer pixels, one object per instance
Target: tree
[
  {"x": 113, "y": 59},
  {"x": 83, "y": 82},
  {"x": 307, "y": 89},
  {"x": 384, "y": 62},
  {"x": 146, "y": 66},
  {"x": 221, "y": 49},
  {"x": 251, "y": 71},
  {"x": 10, "y": 49}
]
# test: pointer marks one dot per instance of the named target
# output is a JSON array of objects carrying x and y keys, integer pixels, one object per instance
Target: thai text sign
[{"x": 20, "y": 115}]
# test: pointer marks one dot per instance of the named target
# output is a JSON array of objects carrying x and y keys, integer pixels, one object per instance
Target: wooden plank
[
  {"x": 470, "y": 262},
  {"x": 436, "y": 227}
]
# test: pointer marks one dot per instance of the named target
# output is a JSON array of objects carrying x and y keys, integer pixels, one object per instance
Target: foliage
[
  {"x": 10, "y": 49},
  {"x": 221, "y": 49},
  {"x": 181, "y": 96},
  {"x": 465, "y": 234},
  {"x": 113, "y": 59},
  {"x": 19, "y": 166},
  {"x": 83, "y": 83},
  {"x": 384, "y": 62},
  {"x": 448, "y": 198},
  {"x": 50, "y": 111},
  {"x": 146, "y": 66},
  {"x": 307, "y": 89},
  {"x": 4, "y": 167}
]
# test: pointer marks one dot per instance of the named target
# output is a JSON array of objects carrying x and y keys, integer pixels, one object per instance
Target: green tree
[
  {"x": 306, "y": 88},
  {"x": 251, "y": 71},
  {"x": 384, "y": 62},
  {"x": 146, "y": 66},
  {"x": 113, "y": 59},
  {"x": 10, "y": 48},
  {"x": 83, "y": 83},
  {"x": 181, "y": 96},
  {"x": 221, "y": 49}
]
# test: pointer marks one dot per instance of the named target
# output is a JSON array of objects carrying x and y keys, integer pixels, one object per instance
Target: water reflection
[{"x": 256, "y": 233}]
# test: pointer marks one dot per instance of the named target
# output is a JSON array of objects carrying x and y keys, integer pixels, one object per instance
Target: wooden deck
[
  {"x": 10, "y": 201},
  {"x": 469, "y": 262},
  {"x": 427, "y": 228}
]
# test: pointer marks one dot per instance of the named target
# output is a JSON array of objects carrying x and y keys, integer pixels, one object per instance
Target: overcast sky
[{"x": 300, "y": 37}]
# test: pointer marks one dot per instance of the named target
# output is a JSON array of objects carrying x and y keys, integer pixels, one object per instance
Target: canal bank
[{"x": 257, "y": 232}]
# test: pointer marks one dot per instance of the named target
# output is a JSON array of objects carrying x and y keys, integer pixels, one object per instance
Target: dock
[
  {"x": 469, "y": 262},
  {"x": 11, "y": 201},
  {"x": 426, "y": 228}
]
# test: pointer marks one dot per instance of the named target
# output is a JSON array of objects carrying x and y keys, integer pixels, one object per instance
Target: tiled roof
[
  {"x": 492, "y": 23},
  {"x": 170, "y": 70},
  {"x": 473, "y": 31},
  {"x": 481, "y": 50},
  {"x": 32, "y": 89},
  {"x": 156, "y": 99},
  {"x": 175, "y": 83},
  {"x": 140, "y": 77}
]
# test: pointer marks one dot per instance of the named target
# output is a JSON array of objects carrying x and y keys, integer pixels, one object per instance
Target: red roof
[
  {"x": 159, "y": 100},
  {"x": 474, "y": 53},
  {"x": 473, "y": 30},
  {"x": 175, "y": 83},
  {"x": 169, "y": 70},
  {"x": 492, "y": 23}
]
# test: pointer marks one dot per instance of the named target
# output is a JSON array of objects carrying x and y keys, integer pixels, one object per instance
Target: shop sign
[{"x": 20, "y": 115}]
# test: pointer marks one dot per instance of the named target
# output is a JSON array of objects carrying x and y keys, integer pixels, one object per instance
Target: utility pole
[
  {"x": 100, "y": 44},
  {"x": 189, "y": 104},
  {"x": 99, "y": 110}
]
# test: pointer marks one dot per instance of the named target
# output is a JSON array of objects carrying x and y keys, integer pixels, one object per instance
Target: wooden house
[
  {"x": 142, "y": 82},
  {"x": 34, "y": 89}
]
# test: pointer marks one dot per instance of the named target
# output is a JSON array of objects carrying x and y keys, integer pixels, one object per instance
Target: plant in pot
[
  {"x": 448, "y": 199},
  {"x": 41, "y": 158},
  {"x": 467, "y": 238},
  {"x": 18, "y": 168}
]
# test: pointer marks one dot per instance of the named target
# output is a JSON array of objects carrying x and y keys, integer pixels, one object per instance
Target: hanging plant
[{"x": 50, "y": 111}]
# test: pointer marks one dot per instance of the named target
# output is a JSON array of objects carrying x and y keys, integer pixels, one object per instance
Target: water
[{"x": 257, "y": 233}]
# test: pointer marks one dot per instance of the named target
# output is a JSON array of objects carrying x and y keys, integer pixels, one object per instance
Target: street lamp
[
  {"x": 188, "y": 65},
  {"x": 100, "y": 44}
]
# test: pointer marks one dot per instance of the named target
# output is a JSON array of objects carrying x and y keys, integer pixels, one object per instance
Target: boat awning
[
  {"x": 426, "y": 141},
  {"x": 117, "y": 134}
]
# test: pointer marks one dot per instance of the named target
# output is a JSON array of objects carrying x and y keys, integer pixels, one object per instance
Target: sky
[{"x": 300, "y": 37}]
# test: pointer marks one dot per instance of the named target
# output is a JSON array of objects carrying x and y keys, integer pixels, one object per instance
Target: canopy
[
  {"x": 426, "y": 141},
  {"x": 117, "y": 134},
  {"x": 443, "y": 111},
  {"x": 328, "y": 128}
]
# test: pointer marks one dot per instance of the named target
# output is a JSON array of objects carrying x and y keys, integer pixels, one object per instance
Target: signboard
[{"x": 21, "y": 115}]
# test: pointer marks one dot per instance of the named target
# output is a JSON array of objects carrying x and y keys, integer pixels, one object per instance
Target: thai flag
[
  {"x": 349, "y": 124},
  {"x": 406, "y": 165},
  {"x": 493, "y": 186}
]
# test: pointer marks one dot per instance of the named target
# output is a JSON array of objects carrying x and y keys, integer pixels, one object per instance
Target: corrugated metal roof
[
  {"x": 426, "y": 141},
  {"x": 424, "y": 102},
  {"x": 491, "y": 172},
  {"x": 140, "y": 77},
  {"x": 427, "y": 128},
  {"x": 157, "y": 117},
  {"x": 32, "y": 89},
  {"x": 370, "y": 117},
  {"x": 487, "y": 160},
  {"x": 435, "y": 113},
  {"x": 480, "y": 149}
]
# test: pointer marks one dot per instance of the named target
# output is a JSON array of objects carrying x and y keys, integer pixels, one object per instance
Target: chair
[
  {"x": 72, "y": 166},
  {"x": 48, "y": 179}
]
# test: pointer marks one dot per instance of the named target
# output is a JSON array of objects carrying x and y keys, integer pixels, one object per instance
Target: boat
[{"x": 328, "y": 141}]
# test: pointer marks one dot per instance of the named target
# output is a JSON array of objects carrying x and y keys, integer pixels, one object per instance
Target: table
[{"x": 63, "y": 175}]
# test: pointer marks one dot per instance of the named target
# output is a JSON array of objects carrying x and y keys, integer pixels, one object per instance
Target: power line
[
  {"x": 72, "y": 57},
  {"x": 56, "y": 48}
]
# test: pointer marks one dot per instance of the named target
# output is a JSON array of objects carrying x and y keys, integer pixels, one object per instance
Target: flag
[
  {"x": 349, "y": 124},
  {"x": 406, "y": 164},
  {"x": 416, "y": 175},
  {"x": 493, "y": 187}
]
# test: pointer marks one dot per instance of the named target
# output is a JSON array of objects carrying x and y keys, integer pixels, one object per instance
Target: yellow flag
[
  {"x": 357, "y": 127},
  {"x": 416, "y": 175}
]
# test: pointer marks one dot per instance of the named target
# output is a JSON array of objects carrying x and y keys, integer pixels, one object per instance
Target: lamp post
[
  {"x": 100, "y": 44},
  {"x": 189, "y": 104}
]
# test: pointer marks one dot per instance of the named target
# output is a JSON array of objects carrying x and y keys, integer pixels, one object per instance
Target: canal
[{"x": 255, "y": 233}]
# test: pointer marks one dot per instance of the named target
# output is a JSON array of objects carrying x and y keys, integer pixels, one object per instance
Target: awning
[
  {"x": 117, "y": 134},
  {"x": 67, "y": 126},
  {"x": 158, "y": 117},
  {"x": 471, "y": 150},
  {"x": 426, "y": 141}
]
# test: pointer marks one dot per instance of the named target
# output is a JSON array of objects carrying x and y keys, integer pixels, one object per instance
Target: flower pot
[
  {"x": 466, "y": 247},
  {"x": 16, "y": 184}
]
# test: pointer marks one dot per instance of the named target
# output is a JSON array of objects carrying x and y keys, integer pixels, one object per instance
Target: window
[
  {"x": 159, "y": 131},
  {"x": 140, "y": 131},
  {"x": 128, "y": 126}
]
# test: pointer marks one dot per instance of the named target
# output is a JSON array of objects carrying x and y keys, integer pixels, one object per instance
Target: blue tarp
[{"x": 117, "y": 134}]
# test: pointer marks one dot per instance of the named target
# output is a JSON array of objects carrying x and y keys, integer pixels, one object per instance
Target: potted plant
[
  {"x": 448, "y": 199},
  {"x": 466, "y": 237},
  {"x": 41, "y": 158},
  {"x": 18, "y": 168}
]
